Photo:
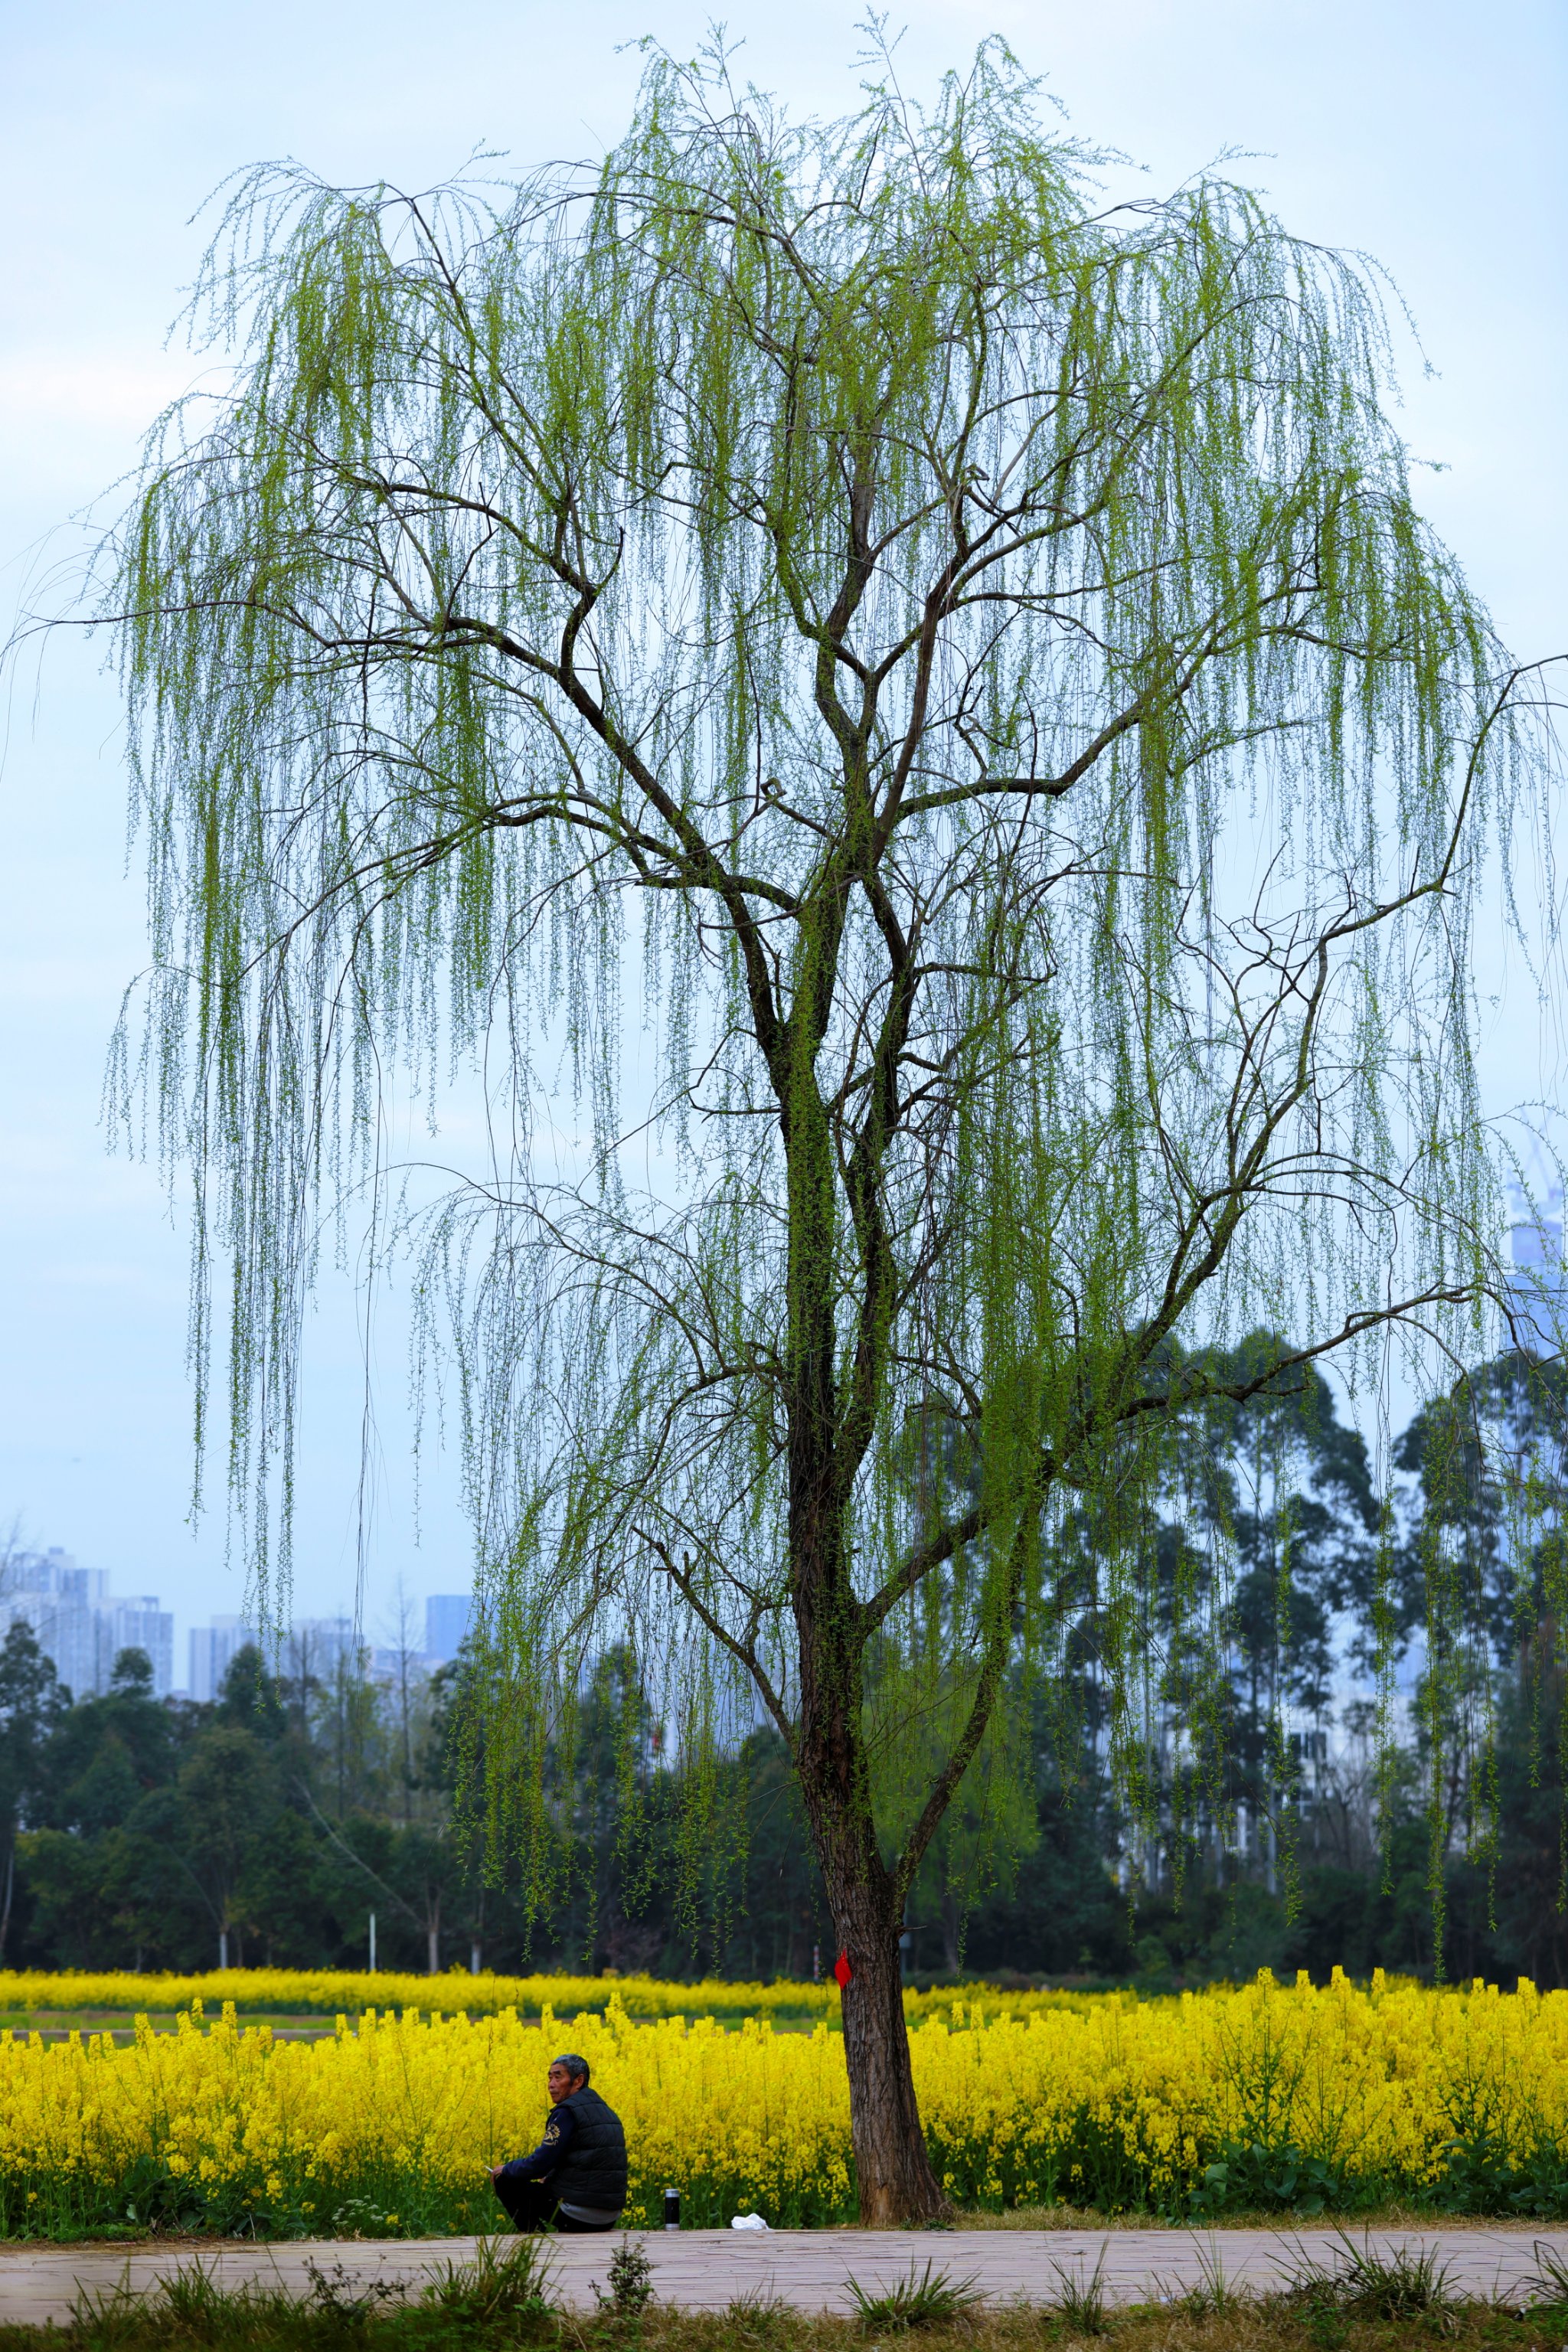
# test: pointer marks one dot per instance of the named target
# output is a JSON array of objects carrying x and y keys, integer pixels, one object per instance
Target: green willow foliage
[{"x": 962, "y": 665}]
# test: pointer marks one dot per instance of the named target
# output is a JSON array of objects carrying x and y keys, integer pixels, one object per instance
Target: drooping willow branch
[{"x": 964, "y": 671}]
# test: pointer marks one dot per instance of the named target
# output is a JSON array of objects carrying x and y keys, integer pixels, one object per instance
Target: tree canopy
[{"x": 926, "y": 695}]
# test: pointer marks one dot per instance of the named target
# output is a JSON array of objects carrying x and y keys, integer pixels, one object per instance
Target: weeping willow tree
[{"x": 954, "y": 674}]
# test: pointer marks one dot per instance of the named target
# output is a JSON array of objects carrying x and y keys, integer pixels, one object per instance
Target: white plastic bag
[{"x": 748, "y": 2221}]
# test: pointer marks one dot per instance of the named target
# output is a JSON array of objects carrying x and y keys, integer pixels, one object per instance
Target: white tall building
[
  {"x": 213, "y": 1651},
  {"x": 311, "y": 1651},
  {"x": 318, "y": 1646},
  {"x": 448, "y": 1621},
  {"x": 81, "y": 1626}
]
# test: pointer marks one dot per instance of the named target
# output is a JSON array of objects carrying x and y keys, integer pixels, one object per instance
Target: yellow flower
[{"x": 1099, "y": 2098}]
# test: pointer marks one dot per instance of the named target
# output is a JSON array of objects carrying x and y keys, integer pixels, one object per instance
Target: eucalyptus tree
[
  {"x": 1281, "y": 1491},
  {"x": 954, "y": 666},
  {"x": 1477, "y": 1590}
]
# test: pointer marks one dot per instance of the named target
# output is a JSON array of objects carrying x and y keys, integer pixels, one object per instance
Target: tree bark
[
  {"x": 893, "y": 2173},
  {"x": 892, "y": 2169},
  {"x": 895, "y": 2181}
]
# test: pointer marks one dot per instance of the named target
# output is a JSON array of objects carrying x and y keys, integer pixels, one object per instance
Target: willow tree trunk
[
  {"x": 892, "y": 2169},
  {"x": 893, "y": 2172},
  {"x": 829, "y": 1430},
  {"x": 894, "y": 2177}
]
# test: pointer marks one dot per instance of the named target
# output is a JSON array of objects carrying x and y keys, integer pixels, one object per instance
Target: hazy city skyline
[{"x": 82, "y": 1623}]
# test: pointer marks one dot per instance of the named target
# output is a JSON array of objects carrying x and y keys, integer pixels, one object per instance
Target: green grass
[{"x": 927, "y": 2300}]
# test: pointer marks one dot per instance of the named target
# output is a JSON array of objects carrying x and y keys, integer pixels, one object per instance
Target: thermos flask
[{"x": 672, "y": 2208}]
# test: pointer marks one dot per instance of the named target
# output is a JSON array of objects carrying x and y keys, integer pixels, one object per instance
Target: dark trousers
[{"x": 531, "y": 2205}]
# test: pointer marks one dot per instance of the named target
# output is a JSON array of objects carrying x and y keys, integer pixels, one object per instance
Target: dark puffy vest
[{"x": 593, "y": 2172}]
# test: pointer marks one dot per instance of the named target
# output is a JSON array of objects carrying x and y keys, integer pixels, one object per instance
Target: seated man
[{"x": 576, "y": 2177}]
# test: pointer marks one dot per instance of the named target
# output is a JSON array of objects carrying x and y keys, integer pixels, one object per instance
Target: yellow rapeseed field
[{"x": 1284, "y": 2097}]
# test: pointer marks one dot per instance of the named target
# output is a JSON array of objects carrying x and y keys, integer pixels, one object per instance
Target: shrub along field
[{"x": 1268, "y": 2098}]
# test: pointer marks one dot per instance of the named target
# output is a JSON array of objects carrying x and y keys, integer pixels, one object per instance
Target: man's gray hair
[{"x": 573, "y": 2063}]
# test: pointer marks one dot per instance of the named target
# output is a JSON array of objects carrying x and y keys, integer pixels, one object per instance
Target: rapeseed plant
[{"x": 1290, "y": 2097}]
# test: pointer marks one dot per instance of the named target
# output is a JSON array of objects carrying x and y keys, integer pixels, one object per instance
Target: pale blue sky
[{"x": 1431, "y": 135}]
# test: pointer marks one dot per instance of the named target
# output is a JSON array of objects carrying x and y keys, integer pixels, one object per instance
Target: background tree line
[{"x": 1274, "y": 1825}]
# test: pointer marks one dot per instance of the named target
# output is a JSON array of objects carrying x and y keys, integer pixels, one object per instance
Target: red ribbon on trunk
[{"x": 842, "y": 1970}]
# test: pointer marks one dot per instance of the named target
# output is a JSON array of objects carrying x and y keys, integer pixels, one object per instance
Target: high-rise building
[
  {"x": 311, "y": 1650},
  {"x": 81, "y": 1627},
  {"x": 316, "y": 1647},
  {"x": 213, "y": 1651},
  {"x": 141, "y": 1624},
  {"x": 387, "y": 1663},
  {"x": 447, "y": 1618}
]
